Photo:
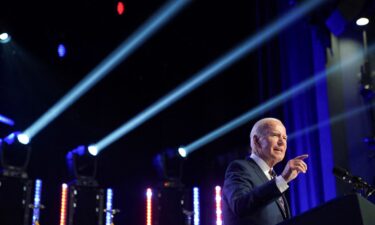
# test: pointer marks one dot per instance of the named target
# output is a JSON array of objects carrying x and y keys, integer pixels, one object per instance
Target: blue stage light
[
  {"x": 6, "y": 120},
  {"x": 209, "y": 72},
  {"x": 82, "y": 164},
  {"x": 332, "y": 120},
  {"x": 109, "y": 215},
  {"x": 196, "y": 206},
  {"x": 108, "y": 64},
  {"x": 37, "y": 206},
  {"x": 15, "y": 156},
  {"x": 61, "y": 50},
  {"x": 264, "y": 107},
  {"x": 17, "y": 137}
]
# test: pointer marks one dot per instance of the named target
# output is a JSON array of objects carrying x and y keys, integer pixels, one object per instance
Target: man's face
[{"x": 272, "y": 143}]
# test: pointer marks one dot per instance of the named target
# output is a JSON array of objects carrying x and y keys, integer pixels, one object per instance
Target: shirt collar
[{"x": 262, "y": 164}]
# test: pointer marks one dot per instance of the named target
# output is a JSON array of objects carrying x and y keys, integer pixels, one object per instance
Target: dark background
[{"x": 33, "y": 78}]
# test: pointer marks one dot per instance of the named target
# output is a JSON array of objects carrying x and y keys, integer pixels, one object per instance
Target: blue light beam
[
  {"x": 161, "y": 17},
  {"x": 209, "y": 72},
  {"x": 270, "y": 104},
  {"x": 6, "y": 120},
  {"x": 334, "y": 119}
]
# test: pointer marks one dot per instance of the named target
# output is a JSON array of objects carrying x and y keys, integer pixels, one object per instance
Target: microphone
[
  {"x": 343, "y": 174},
  {"x": 357, "y": 182}
]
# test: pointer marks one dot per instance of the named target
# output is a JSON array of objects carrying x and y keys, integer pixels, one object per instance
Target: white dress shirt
[{"x": 281, "y": 184}]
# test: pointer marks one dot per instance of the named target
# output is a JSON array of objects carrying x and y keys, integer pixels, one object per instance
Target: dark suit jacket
[{"x": 249, "y": 198}]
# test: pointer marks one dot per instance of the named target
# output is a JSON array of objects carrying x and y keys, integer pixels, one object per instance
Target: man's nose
[{"x": 281, "y": 141}]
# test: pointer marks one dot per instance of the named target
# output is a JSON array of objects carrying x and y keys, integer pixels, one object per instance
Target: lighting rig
[
  {"x": 174, "y": 201},
  {"x": 16, "y": 189},
  {"x": 83, "y": 201}
]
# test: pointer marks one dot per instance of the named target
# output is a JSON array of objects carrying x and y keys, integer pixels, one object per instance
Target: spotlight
[
  {"x": 182, "y": 152},
  {"x": 169, "y": 167},
  {"x": 120, "y": 8},
  {"x": 93, "y": 150},
  {"x": 6, "y": 120},
  {"x": 23, "y": 138},
  {"x": 363, "y": 21},
  {"x": 5, "y": 38},
  {"x": 15, "y": 155},
  {"x": 82, "y": 165},
  {"x": 61, "y": 50}
]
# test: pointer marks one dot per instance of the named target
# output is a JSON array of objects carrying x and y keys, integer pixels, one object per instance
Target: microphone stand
[{"x": 359, "y": 185}]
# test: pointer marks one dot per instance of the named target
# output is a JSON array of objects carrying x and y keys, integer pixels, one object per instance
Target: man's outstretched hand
[{"x": 294, "y": 167}]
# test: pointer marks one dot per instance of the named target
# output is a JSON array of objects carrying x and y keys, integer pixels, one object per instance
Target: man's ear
[{"x": 256, "y": 141}]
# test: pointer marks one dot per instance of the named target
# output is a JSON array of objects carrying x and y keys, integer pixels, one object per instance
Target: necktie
[{"x": 280, "y": 200}]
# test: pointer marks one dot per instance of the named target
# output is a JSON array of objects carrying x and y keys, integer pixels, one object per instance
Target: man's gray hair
[{"x": 259, "y": 128}]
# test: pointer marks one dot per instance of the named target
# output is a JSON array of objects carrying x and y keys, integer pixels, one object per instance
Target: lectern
[{"x": 352, "y": 209}]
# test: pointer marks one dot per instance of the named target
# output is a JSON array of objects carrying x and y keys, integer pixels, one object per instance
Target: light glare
[
  {"x": 23, "y": 138},
  {"x": 61, "y": 50},
  {"x": 363, "y": 21},
  {"x": 182, "y": 152},
  {"x": 93, "y": 150},
  {"x": 4, "y": 38}
]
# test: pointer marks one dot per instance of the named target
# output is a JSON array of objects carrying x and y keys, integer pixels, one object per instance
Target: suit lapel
[
  {"x": 258, "y": 170},
  {"x": 264, "y": 178}
]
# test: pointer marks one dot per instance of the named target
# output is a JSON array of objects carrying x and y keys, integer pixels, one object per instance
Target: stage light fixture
[
  {"x": 108, "y": 210},
  {"x": 16, "y": 195},
  {"x": 82, "y": 165},
  {"x": 196, "y": 206},
  {"x": 219, "y": 216},
  {"x": 5, "y": 38},
  {"x": 169, "y": 166},
  {"x": 61, "y": 50},
  {"x": 182, "y": 152},
  {"x": 64, "y": 203},
  {"x": 23, "y": 138},
  {"x": 120, "y": 8},
  {"x": 37, "y": 206},
  {"x": 15, "y": 155},
  {"x": 149, "y": 206},
  {"x": 6, "y": 120},
  {"x": 160, "y": 18},
  {"x": 93, "y": 150},
  {"x": 209, "y": 72},
  {"x": 363, "y": 21}
]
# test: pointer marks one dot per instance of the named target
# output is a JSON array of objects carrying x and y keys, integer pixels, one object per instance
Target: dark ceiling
[{"x": 33, "y": 78}]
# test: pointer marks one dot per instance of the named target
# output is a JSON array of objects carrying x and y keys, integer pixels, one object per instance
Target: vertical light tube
[
  {"x": 108, "y": 218},
  {"x": 37, "y": 194},
  {"x": 64, "y": 200},
  {"x": 196, "y": 206},
  {"x": 219, "y": 219},
  {"x": 149, "y": 207}
]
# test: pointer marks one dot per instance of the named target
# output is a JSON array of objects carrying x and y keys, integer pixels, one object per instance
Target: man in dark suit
[{"x": 252, "y": 193}]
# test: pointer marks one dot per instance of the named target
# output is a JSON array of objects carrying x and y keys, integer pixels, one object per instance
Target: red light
[
  {"x": 63, "y": 209},
  {"x": 120, "y": 8},
  {"x": 149, "y": 207}
]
